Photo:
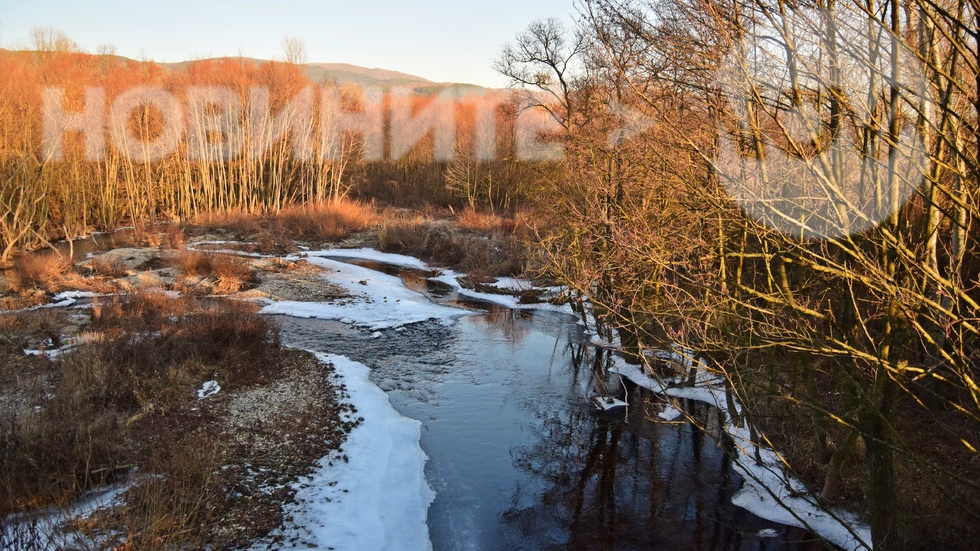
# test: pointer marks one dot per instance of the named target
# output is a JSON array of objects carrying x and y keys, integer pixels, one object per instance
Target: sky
[{"x": 441, "y": 40}]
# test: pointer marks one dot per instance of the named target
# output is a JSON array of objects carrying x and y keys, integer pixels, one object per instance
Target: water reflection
[
  {"x": 508, "y": 323},
  {"x": 520, "y": 460},
  {"x": 631, "y": 482}
]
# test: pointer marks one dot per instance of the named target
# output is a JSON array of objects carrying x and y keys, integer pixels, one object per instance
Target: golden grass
[
  {"x": 109, "y": 266},
  {"x": 232, "y": 272},
  {"x": 243, "y": 223},
  {"x": 328, "y": 222},
  {"x": 442, "y": 243},
  {"x": 130, "y": 388},
  {"x": 473, "y": 220},
  {"x": 39, "y": 271}
]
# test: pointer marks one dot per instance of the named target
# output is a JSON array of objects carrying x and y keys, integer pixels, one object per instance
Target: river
[{"x": 518, "y": 456}]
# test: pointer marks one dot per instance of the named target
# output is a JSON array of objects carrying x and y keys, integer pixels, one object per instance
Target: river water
[{"x": 519, "y": 458}]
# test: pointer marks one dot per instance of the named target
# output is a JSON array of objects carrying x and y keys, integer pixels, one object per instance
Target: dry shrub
[
  {"x": 356, "y": 216},
  {"x": 402, "y": 235},
  {"x": 130, "y": 401},
  {"x": 194, "y": 263},
  {"x": 470, "y": 219},
  {"x": 109, "y": 266},
  {"x": 172, "y": 237},
  {"x": 31, "y": 329},
  {"x": 23, "y": 299},
  {"x": 178, "y": 510},
  {"x": 240, "y": 222},
  {"x": 443, "y": 244},
  {"x": 39, "y": 271},
  {"x": 232, "y": 272},
  {"x": 138, "y": 312},
  {"x": 329, "y": 222}
]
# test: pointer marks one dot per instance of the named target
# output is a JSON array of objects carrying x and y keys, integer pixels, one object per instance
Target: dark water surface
[{"x": 517, "y": 455}]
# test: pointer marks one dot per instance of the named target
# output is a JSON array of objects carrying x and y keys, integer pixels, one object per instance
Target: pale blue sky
[{"x": 442, "y": 40}]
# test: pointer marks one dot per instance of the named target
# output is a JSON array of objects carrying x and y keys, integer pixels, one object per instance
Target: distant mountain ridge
[
  {"x": 341, "y": 73},
  {"x": 346, "y": 72},
  {"x": 338, "y": 73}
]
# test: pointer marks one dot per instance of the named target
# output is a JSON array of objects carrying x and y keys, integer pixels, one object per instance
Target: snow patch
[
  {"x": 400, "y": 260},
  {"x": 74, "y": 295},
  {"x": 376, "y": 499},
  {"x": 377, "y": 300},
  {"x": 450, "y": 278},
  {"x": 208, "y": 389},
  {"x": 669, "y": 413},
  {"x": 768, "y": 491}
]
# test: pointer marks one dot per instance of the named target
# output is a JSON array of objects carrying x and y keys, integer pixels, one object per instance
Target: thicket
[
  {"x": 788, "y": 189},
  {"x": 278, "y": 145}
]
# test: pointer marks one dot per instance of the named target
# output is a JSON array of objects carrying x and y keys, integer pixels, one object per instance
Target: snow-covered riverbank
[
  {"x": 373, "y": 497},
  {"x": 768, "y": 490}
]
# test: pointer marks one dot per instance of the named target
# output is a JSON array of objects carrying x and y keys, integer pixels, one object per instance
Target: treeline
[
  {"x": 96, "y": 141},
  {"x": 789, "y": 189}
]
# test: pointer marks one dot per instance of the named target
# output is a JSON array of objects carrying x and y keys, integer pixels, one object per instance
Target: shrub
[
  {"x": 39, "y": 271},
  {"x": 329, "y": 222},
  {"x": 125, "y": 402},
  {"x": 109, "y": 266},
  {"x": 232, "y": 272},
  {"x": 443, "y": 244},
  {"x": 470, "y": 219}
]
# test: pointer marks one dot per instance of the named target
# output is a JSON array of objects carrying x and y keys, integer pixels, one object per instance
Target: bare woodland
[
  {"x": 799, "y": 207},
  {"x": 801, "y": 211}
]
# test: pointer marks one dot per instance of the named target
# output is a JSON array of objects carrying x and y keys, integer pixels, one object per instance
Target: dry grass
[
  {"x": 439, "y": 242},
  {"x": 242, "y": 223},
  {"x": 31, "y": 329},
  {"x": 108, "y": 266},
  {"x": 194, "y": 263},
  {"x": 123, "y": 401},
  {"x": 275, "y": 232},
  {"x": 325, "y": 223},
  {"x": 473, "y": 220},
  {"x": 232, "y": 273},
  {"x": 39, "y": 271},
  {"x": 129, "y": 401},
  {"x": 172, "y": 237}
]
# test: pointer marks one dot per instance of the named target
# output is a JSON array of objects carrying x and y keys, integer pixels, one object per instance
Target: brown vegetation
[
  {"x": 39, "y": 271},
  {"x": 496, "y": 253},
  {"x": 123, "y": 402},
  {"x": 326, "y": 223},
  {"x": 232, "y": 273},
  {"x": 799, "y": 211},
  {"x": 275, "y": 232}
]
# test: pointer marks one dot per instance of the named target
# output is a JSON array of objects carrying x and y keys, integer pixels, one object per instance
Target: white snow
[
  {"x": 450, "y": 278},
  {"x": 379, "y": 499},
  {"x": 608, "y": 403},
  {"x": 209, "y": 388},
  {"x": 74, "y": 294},
  {"x": 669, "y": 413},
  {"x": 768, "y": 491},
  {"x": 49, "y": 352},
  {"x": 374, "y": 255},
  {"x": 377, "y": 301},
  {"x": 513, "y": 284}
]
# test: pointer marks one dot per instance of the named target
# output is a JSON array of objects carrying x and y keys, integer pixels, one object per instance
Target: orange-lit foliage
[
  {"x": 247, "y": 166},
  {"x": 42, "y": 198}
]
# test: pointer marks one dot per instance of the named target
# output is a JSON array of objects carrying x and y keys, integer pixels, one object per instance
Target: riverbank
[
  {"x": 178, "y": 405},
  {"x": 216, "y": 442},
  {"x": 310, "y": 283}
]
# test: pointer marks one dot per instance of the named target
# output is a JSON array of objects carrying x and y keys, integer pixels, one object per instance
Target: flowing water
[{"x": 519, "y": 458}]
